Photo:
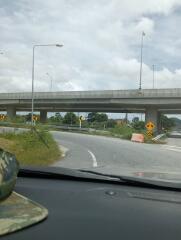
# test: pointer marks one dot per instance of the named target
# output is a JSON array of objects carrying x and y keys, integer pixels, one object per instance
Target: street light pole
[
  {"x": 153, "y": 76},
  {"x": 33, "y": 73},
  {"x": 140, "y": 83},
  {"x": 32, "y": 93},
  {"x": 51, "y": 81}
]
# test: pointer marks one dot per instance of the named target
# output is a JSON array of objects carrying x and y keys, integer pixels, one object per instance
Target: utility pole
[{"x": 141, "y": 60}]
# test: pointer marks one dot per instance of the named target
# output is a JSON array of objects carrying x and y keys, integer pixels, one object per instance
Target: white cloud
[{"x": 101, "y": 43}]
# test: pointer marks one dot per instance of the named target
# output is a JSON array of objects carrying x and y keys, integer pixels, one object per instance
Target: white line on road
[
  {"x": 93, "y": 158},
  {"x": 171, "y": 146},
  {"x": 173, "y": 149}
]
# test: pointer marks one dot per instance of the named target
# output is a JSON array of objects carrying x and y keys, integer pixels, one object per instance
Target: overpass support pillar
[
  {"x": 159, "y": 122},
  {"x": 152, "y": 115},
  {"x": 43, "y": 116},
  {"x": 11, "y": 112}
]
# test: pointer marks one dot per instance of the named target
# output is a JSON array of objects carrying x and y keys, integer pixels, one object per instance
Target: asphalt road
[{"x": 117, "y": 156}]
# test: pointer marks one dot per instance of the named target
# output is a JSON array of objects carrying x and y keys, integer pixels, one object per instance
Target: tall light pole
[
  {"x": 141, "y": 60},
  {"x": 33, "y": 73},
  {"x": 153, "y": 76},
  {"x": 51, "y": 81}
]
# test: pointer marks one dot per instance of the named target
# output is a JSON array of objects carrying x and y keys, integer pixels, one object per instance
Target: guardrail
[
  {"x": 68, "y": 128},
  {"x": 158, "y": 137},
  {"x": 13, "y": 130},
  {"x": 76, "y": 129}
]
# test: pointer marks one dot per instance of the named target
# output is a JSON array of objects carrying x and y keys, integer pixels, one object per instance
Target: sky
[{"x": 101, "y": 44}]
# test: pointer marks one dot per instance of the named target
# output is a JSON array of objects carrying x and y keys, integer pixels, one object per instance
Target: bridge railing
[{"x": 152, "y": 93}]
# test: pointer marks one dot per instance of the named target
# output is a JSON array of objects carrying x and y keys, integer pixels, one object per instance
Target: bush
[
  {"x": 138, "y": 125},
  {"x": 124, "y": 131},
  {"x": 111, "y": 123}
]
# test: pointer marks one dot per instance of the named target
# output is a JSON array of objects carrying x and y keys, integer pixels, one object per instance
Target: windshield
[{"x": 92, "y": 85}]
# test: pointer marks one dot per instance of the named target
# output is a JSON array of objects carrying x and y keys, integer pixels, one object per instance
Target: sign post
[
  {"x": 80, "y": 121},
  {"x": 150, "y": 126},
  {"x": 35, "y": 118}
]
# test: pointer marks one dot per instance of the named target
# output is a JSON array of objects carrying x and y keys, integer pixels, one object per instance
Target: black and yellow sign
[
  {"x": 81, "y": 118},
  {"x": 2, "y": 117},
  {"x": 35, "y": 118},
  {"x": 149, "y": 134},
  {"x": 150, "y": 126}
]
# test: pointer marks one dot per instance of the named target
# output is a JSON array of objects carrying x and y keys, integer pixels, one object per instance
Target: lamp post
[
  {"x": 51, "y": 81},
  {"x": 140, "y": 83},
  {"x": 153, "y": 76},
  {"x": 33, "y": 73}
]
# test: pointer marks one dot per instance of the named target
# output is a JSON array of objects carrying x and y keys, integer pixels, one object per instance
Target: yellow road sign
[
  {"x": 149, "y": 134},
  {"x": 150, "y": 126},
  {"x": 81, "y": 118}
]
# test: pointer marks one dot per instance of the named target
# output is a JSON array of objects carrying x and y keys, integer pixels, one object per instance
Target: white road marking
[
  {"x": 172, "y": 148},
  {"x": 93, "y": 158},
  {"x": 175, "y": 150}
]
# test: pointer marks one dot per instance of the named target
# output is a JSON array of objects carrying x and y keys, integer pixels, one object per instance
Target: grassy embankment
[
  {"x": 31, "y": 148},
  {"x": 125, "y": 132}
]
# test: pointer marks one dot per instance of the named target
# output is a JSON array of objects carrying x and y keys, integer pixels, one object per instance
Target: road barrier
[
  {"x": 136, "y": 137},
  {"x": 158, "y": 137}
]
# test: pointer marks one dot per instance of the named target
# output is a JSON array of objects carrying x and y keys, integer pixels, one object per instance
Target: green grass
[{"x": 31, "y": 148}]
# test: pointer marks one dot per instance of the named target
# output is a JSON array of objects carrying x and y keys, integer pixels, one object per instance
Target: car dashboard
[{"x": 100, "y": 210}]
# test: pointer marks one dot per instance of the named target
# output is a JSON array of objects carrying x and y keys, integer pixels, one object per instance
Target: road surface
[{"x": 113, "y": 155}]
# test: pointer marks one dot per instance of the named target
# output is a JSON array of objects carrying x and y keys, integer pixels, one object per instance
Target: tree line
[{"x": 99, "y": 120}]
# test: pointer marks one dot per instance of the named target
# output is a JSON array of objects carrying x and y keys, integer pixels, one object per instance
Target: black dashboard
[{"x": 99, "y": 210}]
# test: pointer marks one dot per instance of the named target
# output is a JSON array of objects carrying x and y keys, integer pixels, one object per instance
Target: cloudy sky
[{"x": 101, "y": 44}]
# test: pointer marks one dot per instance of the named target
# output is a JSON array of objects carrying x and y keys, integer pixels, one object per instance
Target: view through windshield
[{"x": 92, "y": 85}]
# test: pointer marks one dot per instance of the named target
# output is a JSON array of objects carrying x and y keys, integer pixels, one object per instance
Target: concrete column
[
  {"x": 151, "y": 115},
  {"x": 43, "y": 116},
  {"x": 11, "y": 112},
  {"x": 159, "y": 122}
]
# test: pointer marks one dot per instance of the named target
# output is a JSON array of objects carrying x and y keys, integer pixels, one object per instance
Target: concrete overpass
[{"x": 152, "y": 102}]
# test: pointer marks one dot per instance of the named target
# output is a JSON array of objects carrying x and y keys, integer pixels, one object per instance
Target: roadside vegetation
[
  {"x": 100, "y": 124},
  {"x": 96, "y": 123},
  {"x": 31, "y": 147}
]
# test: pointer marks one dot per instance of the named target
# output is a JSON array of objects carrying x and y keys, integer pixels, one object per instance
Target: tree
[
  {"x": 101, "y": 117},
  {"x": 57, "y": 118},
  {"x": 91, "y": 117},
  {"x": 70, "y": 118},
  {"x": 135, "y": 119},
  {"x": 167, "y": 123},
  {"x": 138, "y": 125},
  {"x": 28, "y": 117},
  {"x": 97, "y": 117}
]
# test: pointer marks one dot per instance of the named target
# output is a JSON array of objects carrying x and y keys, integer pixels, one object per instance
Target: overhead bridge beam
[{"x": 150, "y": 101}]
